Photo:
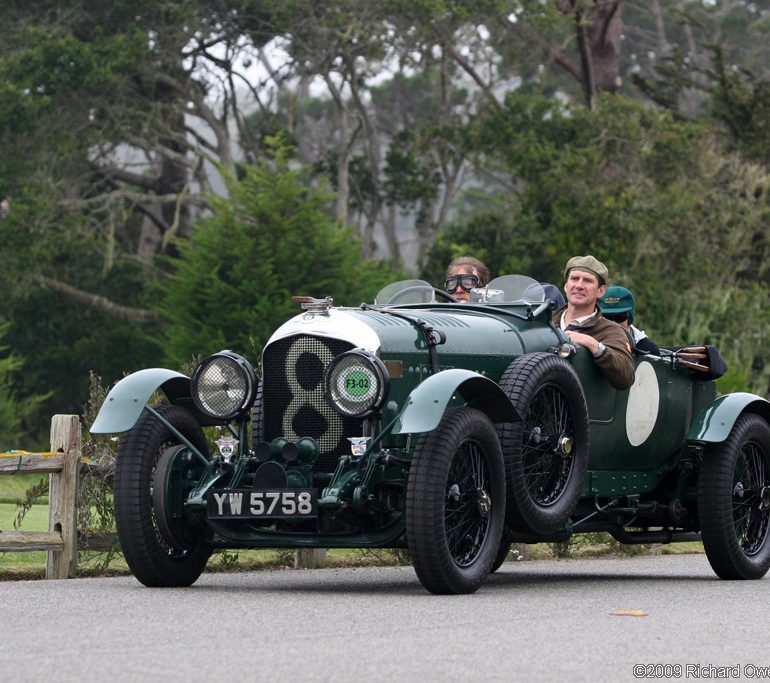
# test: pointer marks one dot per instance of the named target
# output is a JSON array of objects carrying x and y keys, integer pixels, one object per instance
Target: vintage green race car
[{"x": 449, "y": 429}]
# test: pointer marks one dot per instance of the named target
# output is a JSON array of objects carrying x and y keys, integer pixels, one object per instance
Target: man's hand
[{"x": 583, "y": 340}]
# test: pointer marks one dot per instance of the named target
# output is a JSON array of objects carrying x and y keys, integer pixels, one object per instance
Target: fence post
[
  {"x": 62, "y": 497},
  {"x": 309, "y": 558}
]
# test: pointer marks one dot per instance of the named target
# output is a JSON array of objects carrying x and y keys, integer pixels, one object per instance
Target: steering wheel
[{"x": 440, "y": 292}]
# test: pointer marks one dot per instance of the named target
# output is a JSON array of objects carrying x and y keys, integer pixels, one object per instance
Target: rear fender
[
  {"x": 716, "y": 420},
  {"x": 427, "y": 403},
  {"x": 126, "y": 400}
]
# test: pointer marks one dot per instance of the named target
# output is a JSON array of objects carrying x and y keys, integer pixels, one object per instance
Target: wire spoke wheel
[
  {"x": 466, "y": 510},
  {"x": 455, "y": 503},
  {"x": 546, "y": 453},
  {"x": 548, "y": 431},
  {"x": 734, "y": 501},
  {"x": 750, "y": 516}
]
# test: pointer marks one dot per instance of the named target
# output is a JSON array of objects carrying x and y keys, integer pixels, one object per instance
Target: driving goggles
[{"x": 466, "y": 281}]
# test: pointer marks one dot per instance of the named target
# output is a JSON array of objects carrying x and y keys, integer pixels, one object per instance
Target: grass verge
[{"x": 31, "y": 564}]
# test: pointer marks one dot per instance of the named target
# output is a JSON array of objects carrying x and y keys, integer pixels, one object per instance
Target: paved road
[{"x": 532, "y": 621}]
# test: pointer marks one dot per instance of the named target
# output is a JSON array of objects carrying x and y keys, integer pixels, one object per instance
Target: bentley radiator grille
[{"x": 293, "y": 398}]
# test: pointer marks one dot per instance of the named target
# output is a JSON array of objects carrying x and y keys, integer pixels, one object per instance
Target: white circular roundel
[{"x": 643, "y": 403}]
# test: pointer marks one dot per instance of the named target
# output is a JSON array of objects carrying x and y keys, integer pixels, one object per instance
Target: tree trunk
[
  {"x": 604, "y": 31},
  {"x": 598, "y": 29},
  {"x": 660, "y": 27},
  {"x": 391, "y": 238},
  {"x": 343, "y": 173}
]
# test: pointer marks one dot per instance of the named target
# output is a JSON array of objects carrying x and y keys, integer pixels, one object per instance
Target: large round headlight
[
  {"x": 356, "y": 383},
  {"x": 223, "y": 385}
]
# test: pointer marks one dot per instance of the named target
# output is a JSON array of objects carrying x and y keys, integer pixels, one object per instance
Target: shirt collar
[{"x": 575, "y": 322}]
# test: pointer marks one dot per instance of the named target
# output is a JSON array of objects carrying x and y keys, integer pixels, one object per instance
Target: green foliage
[
  {"x": 227, "y": 560},
  {"x": 95, "y": 509},
  {"x": 32, "y": 496},
  {"x": 273, "y": 238},
  {"x": 14, "y": 410},
  {"x": 56, "y": 86},
  {"x": 674, "y": 214},
  {"x": 86, "y": 86},
  {"x": 58, "y": 337},
  {"x": 575, "y": 177},
  {"x": 679, "y": 46}
]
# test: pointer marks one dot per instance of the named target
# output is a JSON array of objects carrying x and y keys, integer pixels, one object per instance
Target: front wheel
[
  {"x": 455, "y": 503},
  {"x": 734, "y": 501},
  {"x": 169, "y": 552}
]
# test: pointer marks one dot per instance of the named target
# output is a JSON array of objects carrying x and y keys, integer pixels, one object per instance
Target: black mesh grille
[{"x": 293, "y": 401}]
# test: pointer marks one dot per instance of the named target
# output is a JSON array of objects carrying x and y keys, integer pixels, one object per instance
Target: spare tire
[{"x": 546, "y": 452}]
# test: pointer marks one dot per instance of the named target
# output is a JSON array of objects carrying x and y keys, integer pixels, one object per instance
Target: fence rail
[
  {"x": 62, "y": 540},
  {"x": 62, "y": 465}
]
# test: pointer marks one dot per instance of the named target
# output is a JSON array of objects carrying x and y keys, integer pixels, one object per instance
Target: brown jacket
[{"x": 616, "y": 362}]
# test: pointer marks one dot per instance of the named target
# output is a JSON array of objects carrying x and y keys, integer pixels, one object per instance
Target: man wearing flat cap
[{"x": 581, "y": 320}]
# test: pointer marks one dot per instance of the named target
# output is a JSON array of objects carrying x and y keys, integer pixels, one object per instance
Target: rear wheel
[
  {"x": 167, "y": 552},
  {"x": 455, "y": 502},
  {"x": 546, "y": 453},
  {"x": 734, "y": 501}
]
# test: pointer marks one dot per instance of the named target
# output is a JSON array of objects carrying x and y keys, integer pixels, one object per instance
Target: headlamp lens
[
  {"x": 356, "y": 383},
  {"x": 223, "y": 385}
]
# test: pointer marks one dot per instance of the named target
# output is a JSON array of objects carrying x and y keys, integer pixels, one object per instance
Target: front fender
[
  {"x": 126, "y": 400},
  {"x": 426, "y": 404},
  {"x": 716, "y": 420}
]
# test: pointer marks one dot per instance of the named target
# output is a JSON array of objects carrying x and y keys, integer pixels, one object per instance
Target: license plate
[{"x": 262, "y": 503}]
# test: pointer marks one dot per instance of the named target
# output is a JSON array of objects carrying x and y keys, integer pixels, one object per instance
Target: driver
[
  {"x": 581, "y": 320},
  {"x": 463, "y": 274}
]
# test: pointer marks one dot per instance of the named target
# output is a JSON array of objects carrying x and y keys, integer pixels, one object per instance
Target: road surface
[{"x": 532, "y": 621}]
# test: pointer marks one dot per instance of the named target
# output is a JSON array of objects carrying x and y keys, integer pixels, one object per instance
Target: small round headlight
[
  {"x": 356, "y": 383},
  {"x": 223, "y": 385}
]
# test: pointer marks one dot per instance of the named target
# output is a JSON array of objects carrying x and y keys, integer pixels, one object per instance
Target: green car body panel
[
  {"x": 714, "y": 423},
  {"x": 126, "y": 400},
  {"x": 427, "y": 403}
]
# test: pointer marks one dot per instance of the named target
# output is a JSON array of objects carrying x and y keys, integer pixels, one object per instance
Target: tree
[
  {"x": 674, "y": 36},
  {"x": 272, "y": 239},
  {"x": 115, "y": 112},
  {"x": 671, "y": 211},
  {"x": 14, "y": 411}
]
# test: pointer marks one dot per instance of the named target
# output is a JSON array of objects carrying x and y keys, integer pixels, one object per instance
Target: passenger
[
  {"x": 618, "y": 305},
  {"x": 463, "y": 274},
  {"x": 581, "y": 320}
]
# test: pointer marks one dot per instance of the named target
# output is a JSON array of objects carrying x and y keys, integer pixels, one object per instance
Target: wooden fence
[
  {"x": 61, "y": 541},
  {"x": 62, "y": 464}
]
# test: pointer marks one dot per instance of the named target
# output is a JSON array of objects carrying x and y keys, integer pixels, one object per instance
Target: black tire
[
  {"x": 154, "y": 559},
  {"x": 734, "y": 501},
  {"x": 546, "y": 453},
  {"x": 455, "y": 502},
  {"x": 502, "y": 554}
]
